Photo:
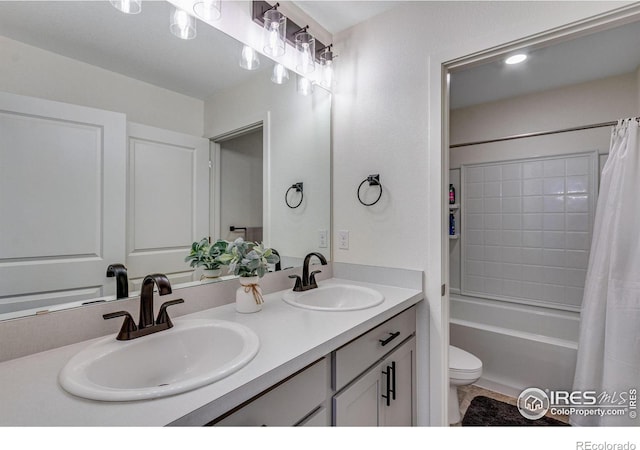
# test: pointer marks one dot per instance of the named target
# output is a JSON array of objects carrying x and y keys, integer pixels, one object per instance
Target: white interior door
[
  {"x": 65, "y": 163},
  {"x": 168, "y": 201}
]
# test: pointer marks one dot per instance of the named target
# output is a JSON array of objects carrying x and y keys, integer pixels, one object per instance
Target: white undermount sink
[
  {"x": 192, "y": 354},
  {"x": 335, "y": 297}
]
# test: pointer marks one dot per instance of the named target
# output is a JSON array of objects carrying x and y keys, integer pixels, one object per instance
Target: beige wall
[
  {"x": 28, "y": 70},
  {"x": 592, "y": 102}
]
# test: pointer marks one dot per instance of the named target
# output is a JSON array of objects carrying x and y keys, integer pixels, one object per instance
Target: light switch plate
[
  {"x": 323, "y": 237},
  {"x": 343, "y": 239}
]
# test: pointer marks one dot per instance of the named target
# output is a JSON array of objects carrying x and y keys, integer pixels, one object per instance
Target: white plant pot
[
  {"x": 211, "y": 273},
  {"x": 248, "y": 295}
]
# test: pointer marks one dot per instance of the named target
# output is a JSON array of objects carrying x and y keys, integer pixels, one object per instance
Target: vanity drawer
[
  {"x": 358, "y": 355},
  {"x": 285, "y": 404}
]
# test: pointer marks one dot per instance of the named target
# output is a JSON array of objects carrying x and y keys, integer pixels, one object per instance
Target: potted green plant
[
  {"x": 248, "y": 260},
  {"x": 204, "y": 254}
]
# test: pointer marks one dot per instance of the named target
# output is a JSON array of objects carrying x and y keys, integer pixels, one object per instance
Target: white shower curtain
[{"x": 609, "y": 345}]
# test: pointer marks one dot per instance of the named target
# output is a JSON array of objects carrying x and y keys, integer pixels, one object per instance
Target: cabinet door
[
  {"x": 398, "y": 371},
  {"x": 359, "y": 404},
  {"x": 383, "y": 396}
]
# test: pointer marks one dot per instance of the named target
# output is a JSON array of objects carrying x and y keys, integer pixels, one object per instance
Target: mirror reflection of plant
[
  {"x": 248, "y": 259},
  {"x": 204, "y": 254}
]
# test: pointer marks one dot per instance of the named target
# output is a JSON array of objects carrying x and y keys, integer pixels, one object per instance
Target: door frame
[{"x": 440, "y": 66}]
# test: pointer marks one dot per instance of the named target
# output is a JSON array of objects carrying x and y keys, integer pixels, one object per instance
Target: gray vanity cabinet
[
  {"x": 298, "y": 400},
  {"x": 374, "y": 376}
]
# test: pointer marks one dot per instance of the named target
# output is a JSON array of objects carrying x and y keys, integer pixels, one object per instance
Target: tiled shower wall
[{"x": 526, "y": 229}]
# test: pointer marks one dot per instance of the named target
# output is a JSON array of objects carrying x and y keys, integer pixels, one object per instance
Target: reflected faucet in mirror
[
  {"x": 122, "y": 282},
  {"x": 146, "y": 323},
  {"x": 308, "y": 281}
]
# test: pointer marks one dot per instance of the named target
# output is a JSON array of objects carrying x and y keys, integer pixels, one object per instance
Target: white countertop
[{"x": 290, "y": 339}]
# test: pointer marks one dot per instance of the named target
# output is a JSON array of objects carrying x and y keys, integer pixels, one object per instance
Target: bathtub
[{"x": 520, "y": 346}]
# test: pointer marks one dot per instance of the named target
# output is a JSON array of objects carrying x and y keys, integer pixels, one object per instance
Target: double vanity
[{"x": 319, "y": 357}]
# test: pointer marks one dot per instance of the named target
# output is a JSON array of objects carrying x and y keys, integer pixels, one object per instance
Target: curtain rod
[{"x": 538, "y": 133}]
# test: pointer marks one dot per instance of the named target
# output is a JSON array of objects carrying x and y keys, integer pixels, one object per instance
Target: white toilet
[{"x": 464, "y": 369}]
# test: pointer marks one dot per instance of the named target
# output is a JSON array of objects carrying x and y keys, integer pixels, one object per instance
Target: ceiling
[
  {"x": 141, "y": 46},
  {"x": 336, "y": 16},
  {"x": 603, "y": 54}
]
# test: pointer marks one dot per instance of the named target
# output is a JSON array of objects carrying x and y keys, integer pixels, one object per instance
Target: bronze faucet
[
  {"x": 122, "y": 284},
  {"x": 308, "y": 281},
  {"x": 146, "y": 324}
]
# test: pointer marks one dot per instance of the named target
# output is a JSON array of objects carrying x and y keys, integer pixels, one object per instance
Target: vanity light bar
[{"x": 259, "y": 7}]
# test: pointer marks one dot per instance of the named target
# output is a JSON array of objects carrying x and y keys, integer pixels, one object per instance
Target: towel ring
[
  {"x": 298, "y": 188},
  {"x": 373, "y": 180}
]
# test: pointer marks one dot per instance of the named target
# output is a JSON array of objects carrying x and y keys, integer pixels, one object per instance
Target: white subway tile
[
  {"x": 532, "y": 256},
  {"x": 578, "y": 166},
  {"x": 574, "y": 295},
  {"x": 511, "y": 238},
  {"x": 575, "y": 277},
  {"x": 493, "y": 269},
  {"x": 512, "y": 171},
  {"x": 493, "y": 189},
  {"x": 532, "y": 204},
  {"x": 512, "y": 271},
  {"x": 511, "y": 188},
  {"x": 532, "y": 291},
  {"x": 493, "y": 286},
  {"x": 553, "y": 258},
  {"x": 511, "y": 288},
  {"x": 493, "y": 237},
  {"x": 493, "y": 253},
  {"x": 532, "y": 239},
  {"x": 532, "y": 169},
  {"x": 474, "y": 221},
  {"x": 578, "y": 184},
  {"x": 474, "y": 237},
  {"x": 474, "y": 174},
  {"x": 474, "y": 190},
  {"x": 553, "y": 275},
  {"x": 492, "y": 173},
  {"x": 474, "y": 268},
  {"x": 553, "y": 222},
  {"x": 577, "y": 222},
  {"x": 553, "y": 239},
  {"x": 492, "y": 205},
  {"x": 532, "y": 187},
  {"x": 553, "y": 204},
  {"x": 474, "y": 205},
  {"x": 552, "y": 293},
  {"x": 577, "y": 259},
  {"x": 474, "y": 284},
  {"x": 577, "y": 241},
  {"x": 492, "y": 221},
  {"x": 553, "y": 186},
  {"x": 511, "y": 205},
  {"x": 577, "y": 203},
  {"x": 532, "y": 273},
  {"x": 511, "y": 221},
  {"x": 512, "y": 255},
  {"x": 553, "y": 168},
  {"x": 474, "y": 252},
  {"x": 532, "y": 221}
]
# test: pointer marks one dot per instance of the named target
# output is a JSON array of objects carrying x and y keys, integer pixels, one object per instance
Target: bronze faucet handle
[
  {"x": 163, "y": 315},
  {"x": 312, "y": 278},
  {"x": 128, "y": 326},
  {"x": 298, "y": 285}
]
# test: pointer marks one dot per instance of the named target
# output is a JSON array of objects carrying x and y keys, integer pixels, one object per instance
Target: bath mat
[{"x": 487, "y": 412}]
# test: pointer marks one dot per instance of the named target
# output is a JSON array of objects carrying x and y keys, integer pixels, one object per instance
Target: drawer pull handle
[
  {"x": 390, "y": 375},
  {"x": 391, "y": 337}
]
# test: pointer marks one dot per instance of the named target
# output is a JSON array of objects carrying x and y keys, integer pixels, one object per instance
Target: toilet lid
[{"x": 462, "y": 361}]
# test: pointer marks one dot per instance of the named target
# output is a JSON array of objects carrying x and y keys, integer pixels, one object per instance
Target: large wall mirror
[{"x": 123, "y": 144}]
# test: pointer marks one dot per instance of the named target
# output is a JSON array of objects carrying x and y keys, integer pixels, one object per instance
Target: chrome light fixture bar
[{"x": 258, "y": 10}]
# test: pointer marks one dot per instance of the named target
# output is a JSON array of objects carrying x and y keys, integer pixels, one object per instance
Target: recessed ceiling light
[{"x": 516, "y": 59}]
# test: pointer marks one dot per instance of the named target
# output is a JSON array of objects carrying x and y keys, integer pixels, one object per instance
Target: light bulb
[
  {"x": 304, "y": 86},
  {"x": 516, "y": 59},
  {"x": 275, "y": 29},
  {"x": 128, "y": 6},
  {"x": 306, "y": 46},
  {"x": 249, "y": 58},
  {"x": 327, "y": 74},
  {"x": 182, "y": 24},
  {"x": 280, "y": 74}
]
